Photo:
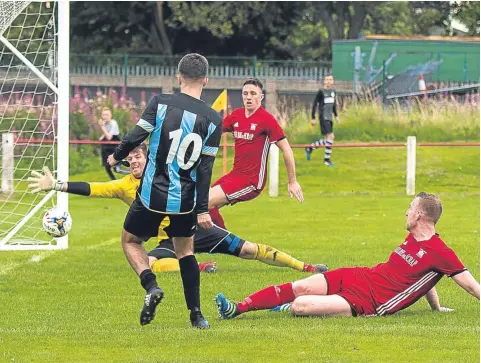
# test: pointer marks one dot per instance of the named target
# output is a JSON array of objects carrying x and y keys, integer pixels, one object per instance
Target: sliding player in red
[
  {"x": 411, "y": 272},
  {"x": 254, "y": 130}
]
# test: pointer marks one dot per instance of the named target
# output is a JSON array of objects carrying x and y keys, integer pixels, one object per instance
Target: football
[{"x": 57, "y": 223}]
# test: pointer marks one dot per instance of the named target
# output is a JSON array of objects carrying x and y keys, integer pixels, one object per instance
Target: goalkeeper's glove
[{"x": 44, "y": 182}]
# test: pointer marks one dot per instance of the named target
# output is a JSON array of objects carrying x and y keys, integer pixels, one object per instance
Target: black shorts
[
  {"x": 108, "y": 149},
  {"x": 326, "y": 127},
  {"x": 144, "y": 223},
  {"x": 212, "y": 240}
]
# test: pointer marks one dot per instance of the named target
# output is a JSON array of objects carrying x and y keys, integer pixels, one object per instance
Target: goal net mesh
[{"x": 28, "y": 109}]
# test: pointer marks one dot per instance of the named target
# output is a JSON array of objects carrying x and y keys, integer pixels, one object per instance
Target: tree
[
  {"x": 266, "y": 29},
  {"x": 249, "y": 28},
  {"x": 343, "y": 19},
  {"x": 467, "y": 13},
  {"x": 158, "y": 32},
  {"x": 405, "y": 18},
  {"x": 177, "y": 27},
  {"x": 107, "y": 27}
]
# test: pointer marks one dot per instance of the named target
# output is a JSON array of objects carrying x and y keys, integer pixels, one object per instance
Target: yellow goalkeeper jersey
[{"x": 124, "y": 189}]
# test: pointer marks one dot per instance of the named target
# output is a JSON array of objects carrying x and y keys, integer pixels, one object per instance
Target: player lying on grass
[
  {"x": 219, "y": 240},
  {"x": 162, "y": 258},
  {"x": 412, "y": 271},
  {"x": 254, "y": 130}
]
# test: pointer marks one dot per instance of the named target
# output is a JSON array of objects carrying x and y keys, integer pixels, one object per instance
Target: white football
[{"x": 57, "y": 223}]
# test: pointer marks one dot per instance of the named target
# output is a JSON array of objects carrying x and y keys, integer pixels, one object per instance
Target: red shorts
[
  {"x": 351, "y": 284},
  {"x": 237, "y": 188}
]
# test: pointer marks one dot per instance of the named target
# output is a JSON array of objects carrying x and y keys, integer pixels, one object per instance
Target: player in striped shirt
[
  {"x": 184, "y": 139},
  {"x": 254, "y": 130},
  {"x": 325, "y": 102},
  {"x": 411, "y": 272}
]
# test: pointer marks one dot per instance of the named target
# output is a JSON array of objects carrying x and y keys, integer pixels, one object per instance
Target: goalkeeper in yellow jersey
[{"x": 162, "y": 258}]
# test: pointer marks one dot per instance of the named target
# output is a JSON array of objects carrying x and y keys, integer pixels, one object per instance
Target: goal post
[
  {"x": 34, "y": 117},
  {"x": 63, "y": 82}
]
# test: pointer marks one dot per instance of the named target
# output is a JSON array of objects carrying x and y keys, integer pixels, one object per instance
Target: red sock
[
  {"x": 217, "y": 218},
  {"x": 267, "y": 298}
]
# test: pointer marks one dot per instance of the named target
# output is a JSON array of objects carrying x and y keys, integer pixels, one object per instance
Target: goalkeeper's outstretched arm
[{"x": 46, "y": 182}]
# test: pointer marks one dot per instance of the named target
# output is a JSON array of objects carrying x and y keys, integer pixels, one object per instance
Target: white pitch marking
[
  {"x": 37, "y": 258},
  {"x": 105, "y": 243}
]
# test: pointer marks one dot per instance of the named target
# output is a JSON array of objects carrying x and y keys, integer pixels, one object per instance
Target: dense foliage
[{"x": 282, "y": 30}]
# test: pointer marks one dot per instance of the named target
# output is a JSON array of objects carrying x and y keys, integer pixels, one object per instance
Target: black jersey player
[
  {"x": 325, "y": 103},
  {"x": 184, "y": 139}
]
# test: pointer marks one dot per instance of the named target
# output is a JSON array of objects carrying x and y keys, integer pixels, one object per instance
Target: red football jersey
[
  {"x": 253, "y": 137},
  {"x": 411, "y": 271}
]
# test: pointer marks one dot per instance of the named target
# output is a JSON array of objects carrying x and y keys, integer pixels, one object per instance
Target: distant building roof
[{"x": 423, "y": 37}]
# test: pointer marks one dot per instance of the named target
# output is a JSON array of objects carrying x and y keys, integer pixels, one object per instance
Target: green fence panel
[{"x": 460, "y": 60}]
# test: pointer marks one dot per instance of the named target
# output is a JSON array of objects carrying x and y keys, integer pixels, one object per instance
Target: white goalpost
[{"x": 34, "y": 117}]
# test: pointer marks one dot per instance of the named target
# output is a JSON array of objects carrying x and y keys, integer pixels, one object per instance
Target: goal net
[{"x": 34, "y": 93}]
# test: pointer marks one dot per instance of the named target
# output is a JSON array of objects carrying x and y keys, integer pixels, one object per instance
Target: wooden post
[{"x": 411, "y": 166}]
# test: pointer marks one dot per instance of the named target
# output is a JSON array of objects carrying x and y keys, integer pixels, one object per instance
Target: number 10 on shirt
[{"x": 178, "y": 149}]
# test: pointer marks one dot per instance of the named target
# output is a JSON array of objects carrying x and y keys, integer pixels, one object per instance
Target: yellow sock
[
  {"x": 165, "y": 265},
  {"x": 274, "y": 257}
]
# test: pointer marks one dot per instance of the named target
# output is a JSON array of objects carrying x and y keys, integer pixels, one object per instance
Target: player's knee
[
  {"x": 300, "y": 306},
  {"x": 302, "y": 288},
  {"x": 217, "y": 198},
  {"x": 183, "y": 246},
  {"x": 152, "y": 261},
  {"x": 182, "y": 251},
  {"x": 211, "y": 204},
  {"x": 248, "y": 251},
  {"x": 130, "y": 238}
]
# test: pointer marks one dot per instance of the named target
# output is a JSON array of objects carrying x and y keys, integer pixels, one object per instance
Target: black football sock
[
  {"x": 189, "y": 270},
  {"x": 148, "y": 280},
  {"x": 108, "y": 169}
]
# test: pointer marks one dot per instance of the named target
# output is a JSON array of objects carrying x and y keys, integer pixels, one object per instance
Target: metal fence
[{"x": 219, "y": 67}]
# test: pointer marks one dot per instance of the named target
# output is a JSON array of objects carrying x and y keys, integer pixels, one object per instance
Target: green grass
[{"x": 82, "y": 304}]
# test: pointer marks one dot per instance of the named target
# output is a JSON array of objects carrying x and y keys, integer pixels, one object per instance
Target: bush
[
  {"x": 84, "y": 158},
  {"x": 85, "y": 113},
  {"x": 430, "y": 121},
  {"x": 433, "y": 120}
]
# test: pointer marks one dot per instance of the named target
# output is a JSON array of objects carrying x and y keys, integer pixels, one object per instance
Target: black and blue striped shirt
[{"x": 184, "y": 139}]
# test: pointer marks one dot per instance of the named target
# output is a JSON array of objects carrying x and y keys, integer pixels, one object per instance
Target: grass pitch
[{"x": 82, "y": 304}]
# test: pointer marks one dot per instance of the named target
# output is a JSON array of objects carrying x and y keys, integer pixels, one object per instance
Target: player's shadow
[
  {"x": 266, "y": 315},
  {"x": 409, "y": 313}
]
